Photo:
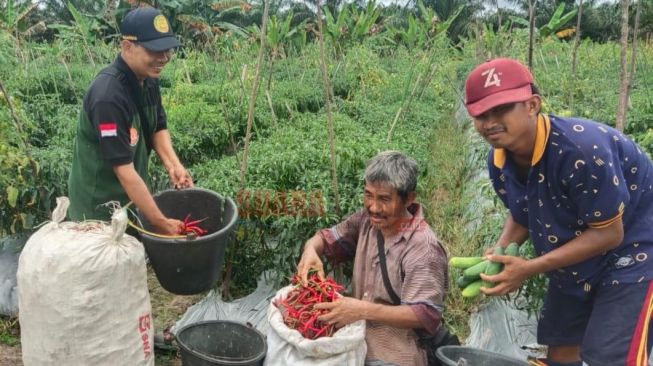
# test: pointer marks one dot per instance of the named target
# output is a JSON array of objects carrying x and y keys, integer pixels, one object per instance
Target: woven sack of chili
[
  {"x": 82, "y": 295},
  {"x": 296, "y": 337}
]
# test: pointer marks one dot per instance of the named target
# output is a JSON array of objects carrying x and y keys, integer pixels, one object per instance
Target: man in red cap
[
  {"x": 121, "y": 122},
  {"x": 583, "y": 193}
]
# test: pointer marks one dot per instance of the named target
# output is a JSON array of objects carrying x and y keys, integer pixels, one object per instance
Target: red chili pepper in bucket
[{"x": 192, "y": 228}]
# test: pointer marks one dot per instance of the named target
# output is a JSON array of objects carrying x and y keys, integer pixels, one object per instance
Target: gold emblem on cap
[{"x": 161, "y": 24}]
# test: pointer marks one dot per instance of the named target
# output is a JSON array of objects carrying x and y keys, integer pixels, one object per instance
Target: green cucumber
[
  {"x": 473, "y": 289},
  {"x": 464, "y": 262},
  {"x": 474, "y": 272},
  {"x": 512, "y": 250},
  {"x": 463, "y": 282},
  {"x": 493, "y": 267}
]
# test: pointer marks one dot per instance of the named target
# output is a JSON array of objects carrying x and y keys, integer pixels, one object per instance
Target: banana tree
[
  {"x": 14, "y": 14},
  {"x": 351, "y": 25},
  {"x": 554, "y": 25},
  {"x": 84, "y": 29},
  {"x": 421, "y": 29},
  {"x": 362, "y": 21},
  {"x": 557, "y": 21},
  {"x": 280, "y": 34},
  {"x": 336, "y": 29}
]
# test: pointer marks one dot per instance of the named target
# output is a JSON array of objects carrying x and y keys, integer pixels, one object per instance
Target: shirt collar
[
  {"x": 121, "y": 65},
  {"x": 542, "y": 132},
  {"x": 411, "y": 225}
]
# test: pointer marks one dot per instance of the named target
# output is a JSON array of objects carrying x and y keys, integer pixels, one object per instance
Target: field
[{"x": 385, "y": 94}]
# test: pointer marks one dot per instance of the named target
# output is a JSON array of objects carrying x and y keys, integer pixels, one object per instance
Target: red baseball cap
[{"x": 496, "y": 82}]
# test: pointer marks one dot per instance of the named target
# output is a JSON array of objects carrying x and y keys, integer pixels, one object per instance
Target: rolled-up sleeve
[{"x": 341, "y": 239}]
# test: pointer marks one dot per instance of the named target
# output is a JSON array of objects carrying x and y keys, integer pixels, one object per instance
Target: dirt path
[{"x": 10, "y": 356}]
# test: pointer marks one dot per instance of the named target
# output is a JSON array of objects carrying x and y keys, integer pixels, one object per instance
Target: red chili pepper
[
  {"x": 191, "y": 227},
  {"x": 298, "y": 309}
]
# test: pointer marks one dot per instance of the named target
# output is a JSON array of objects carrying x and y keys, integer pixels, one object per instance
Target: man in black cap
[{"x": 121, "y": 122}]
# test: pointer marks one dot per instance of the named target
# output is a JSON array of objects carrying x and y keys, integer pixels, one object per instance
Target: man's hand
[
  {"x": 343, "y": 311},
  {"x": 180, "y": 177},
  {"x": 515, "y": 272},
  {"x": 169, "y": 226},
  {"x": 489, "y": 251},
  {"x": 309, "y": 260}
]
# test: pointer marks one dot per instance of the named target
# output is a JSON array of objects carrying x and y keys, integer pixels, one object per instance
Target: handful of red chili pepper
[
  {"x": 297, "y": 308},
  {"x": 191, "y": 227}
]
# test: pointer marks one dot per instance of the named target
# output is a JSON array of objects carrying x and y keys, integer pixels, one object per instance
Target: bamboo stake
[
  {"x": 327, "y": 100},
  {"x": 574, "y": 56},
  {"x": 531, "y": 30},
  {"x": 633, "y": 50},
  {"x": 623, "y": 74},
  {"x": 274, "y": 115},
  {"x": 403, "y": 108},
  {"x": 254, "y": 94}
]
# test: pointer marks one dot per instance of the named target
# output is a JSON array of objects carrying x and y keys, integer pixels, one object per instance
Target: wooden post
[
  {"x": 623, "y": 74},
  {"x": 574, "y": 55},
  {"x": 327, "y": 101},
  {"x": 254, "y": 94},
  {"x": 531, "y": 30}
]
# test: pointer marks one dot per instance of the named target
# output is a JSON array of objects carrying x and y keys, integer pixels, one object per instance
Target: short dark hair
[{"x": 535, "y": 89}]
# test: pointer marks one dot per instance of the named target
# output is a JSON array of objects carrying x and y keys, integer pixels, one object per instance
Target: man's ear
[
  {"x": 126, "y": 46},
  {"x": 534, "y": 105},
  {"x": 410, "y": 198}
]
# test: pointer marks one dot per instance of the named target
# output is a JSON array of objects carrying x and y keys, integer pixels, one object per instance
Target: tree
[
  {"x": 13, "y": 16},
  {"x": 445, "y": 9}
]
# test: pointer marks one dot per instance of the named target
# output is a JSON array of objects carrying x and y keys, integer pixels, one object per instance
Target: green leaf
[
  {"x": 12, "y": 196},
  {"x": 519, "y": 20}
]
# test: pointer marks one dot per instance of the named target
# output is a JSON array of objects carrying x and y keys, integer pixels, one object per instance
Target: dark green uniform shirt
[{"x": 112, "y": 131}]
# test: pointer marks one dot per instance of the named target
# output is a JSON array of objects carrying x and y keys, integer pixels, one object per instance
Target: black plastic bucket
[
  {"x": 454, "y": 356},
  {"x": 221, "y": 342},
  {"x": 189, "y": 266}
]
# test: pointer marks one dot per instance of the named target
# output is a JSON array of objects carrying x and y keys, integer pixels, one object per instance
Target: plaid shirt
[{"x": 417, "y": 269}]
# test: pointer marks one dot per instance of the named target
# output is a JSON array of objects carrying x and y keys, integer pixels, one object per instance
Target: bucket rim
[
  {"x": 228, "y": 227},
  {"x": 440, "y": 353},
  {"x": 206, "y": 357}
]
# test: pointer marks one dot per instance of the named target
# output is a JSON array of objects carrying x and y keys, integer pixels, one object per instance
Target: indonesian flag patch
[{"x": 108, "y": 129}]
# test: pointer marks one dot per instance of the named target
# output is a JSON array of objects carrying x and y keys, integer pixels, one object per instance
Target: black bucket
[
  {"x": 189, "y": 266},
  {"x": 220, "y": 342},
  {"x": 454, "y": 356}
]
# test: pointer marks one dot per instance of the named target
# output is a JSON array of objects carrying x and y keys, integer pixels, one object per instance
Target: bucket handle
[{"x": 144, "y": 231}]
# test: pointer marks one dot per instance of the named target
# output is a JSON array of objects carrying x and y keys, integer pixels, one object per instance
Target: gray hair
[{"x": 394, "y": 169}]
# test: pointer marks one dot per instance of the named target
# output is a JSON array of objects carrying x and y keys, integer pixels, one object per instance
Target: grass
[
  {"x": 446, "y": 205},
  {"x": 9, "y": 331}
]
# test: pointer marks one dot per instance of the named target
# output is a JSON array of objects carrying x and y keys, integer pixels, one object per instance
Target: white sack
[
  {"x": 287, "y": 346},
  {"x": 83, "y": 296}
]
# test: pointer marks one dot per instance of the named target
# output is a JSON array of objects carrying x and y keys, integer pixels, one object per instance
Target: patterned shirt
[
  {"x": 417, "y": 269},
  {"x": 583, "y": 174}
]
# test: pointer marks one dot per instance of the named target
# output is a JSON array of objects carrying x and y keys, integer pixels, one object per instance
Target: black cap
[{"x": 149, "y": 28}]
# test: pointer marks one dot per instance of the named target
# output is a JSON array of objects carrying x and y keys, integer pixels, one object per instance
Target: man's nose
[
  {"x": 373, "y": 207},
  {"x": 489, "y": 121}
]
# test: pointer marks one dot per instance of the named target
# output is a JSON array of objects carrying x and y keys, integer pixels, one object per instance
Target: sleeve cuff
[
  {"x": 606, "y": 223},
  {"x": 428, "y": 316},
  {"x": 120, "y": 161}
]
